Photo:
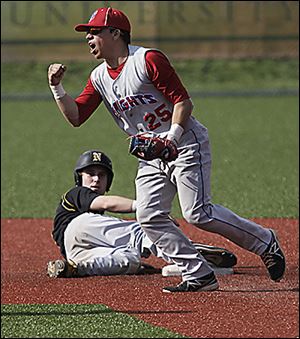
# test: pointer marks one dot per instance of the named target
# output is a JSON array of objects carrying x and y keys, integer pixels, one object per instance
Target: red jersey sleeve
[
  {"x": 164, "y": 77},
  {"x": 88, "y": 101}
]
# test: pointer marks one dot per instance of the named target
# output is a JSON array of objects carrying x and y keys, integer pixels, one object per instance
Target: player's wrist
[
  {"x": 175, "y": 132},
  {"x": 57, "y": 91},
  {"x": 133, "y": 206}
]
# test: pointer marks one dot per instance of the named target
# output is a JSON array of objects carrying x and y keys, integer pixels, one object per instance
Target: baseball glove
[{"x": 148, "y": 146}]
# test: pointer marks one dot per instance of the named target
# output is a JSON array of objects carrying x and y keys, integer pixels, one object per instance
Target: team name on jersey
[{"x": 131, "y": 101}]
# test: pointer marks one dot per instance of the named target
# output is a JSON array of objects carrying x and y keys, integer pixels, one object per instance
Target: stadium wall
[{"x": 43, "y": 30}]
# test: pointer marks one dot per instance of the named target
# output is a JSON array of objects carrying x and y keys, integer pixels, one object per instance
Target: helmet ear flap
[{"x": 77, "y": 178}]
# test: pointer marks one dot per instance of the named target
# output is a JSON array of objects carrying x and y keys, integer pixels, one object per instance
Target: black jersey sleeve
[{"x": 78, "y": 199}]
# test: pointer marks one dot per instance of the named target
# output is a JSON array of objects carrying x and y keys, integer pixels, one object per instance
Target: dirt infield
[{"x": 248, "y": 304}]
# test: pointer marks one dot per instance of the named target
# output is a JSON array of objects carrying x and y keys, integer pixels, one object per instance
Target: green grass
[
  {"x": 254, "y": 145},
  {"x": 197, "y": 75},
  {"x": 74, "y": 321},
  {"x": 254, "y": 140},
  {"x": 238, "y": 74},
  {"x": 255, "y": 154}
]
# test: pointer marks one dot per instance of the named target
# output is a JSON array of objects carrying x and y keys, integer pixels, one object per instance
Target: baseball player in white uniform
[
  {"x": 143, "y": 93},
  {"x": 93, "y": 243}
]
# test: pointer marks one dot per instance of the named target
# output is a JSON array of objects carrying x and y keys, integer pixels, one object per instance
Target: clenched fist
[{"x": 56, "y": 73}]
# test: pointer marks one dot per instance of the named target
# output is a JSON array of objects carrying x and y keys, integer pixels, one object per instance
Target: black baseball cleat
[
  {"x": 218, "y": 256},
  {"x": 274, "y": 259},
  {"x": 61, "y": 269},
  {"x": 206, "y": 283}
]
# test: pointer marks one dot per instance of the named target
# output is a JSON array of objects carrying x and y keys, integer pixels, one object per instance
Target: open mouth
[{"x": 92, "y": 48}]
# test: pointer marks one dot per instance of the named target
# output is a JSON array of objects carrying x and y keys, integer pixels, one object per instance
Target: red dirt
[{"x": 248, "y": 304}]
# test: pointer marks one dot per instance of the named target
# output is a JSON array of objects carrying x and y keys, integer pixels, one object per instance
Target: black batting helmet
[{"x": 93, "y": 157}]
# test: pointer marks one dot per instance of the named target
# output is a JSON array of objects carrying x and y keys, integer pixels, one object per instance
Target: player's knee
[
  {"x": 146, "y": 214},
  {"x": 196, "y": 216}
]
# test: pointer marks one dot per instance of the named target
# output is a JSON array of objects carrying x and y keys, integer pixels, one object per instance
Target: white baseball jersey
[{"x": 131, "y": 98}]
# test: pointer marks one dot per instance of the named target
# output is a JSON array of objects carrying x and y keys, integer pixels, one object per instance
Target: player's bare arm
[
  {"x": 181, "y": 113},
  {"x": 65, "y": 102},
  {"x": 113, "y": 203}
]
